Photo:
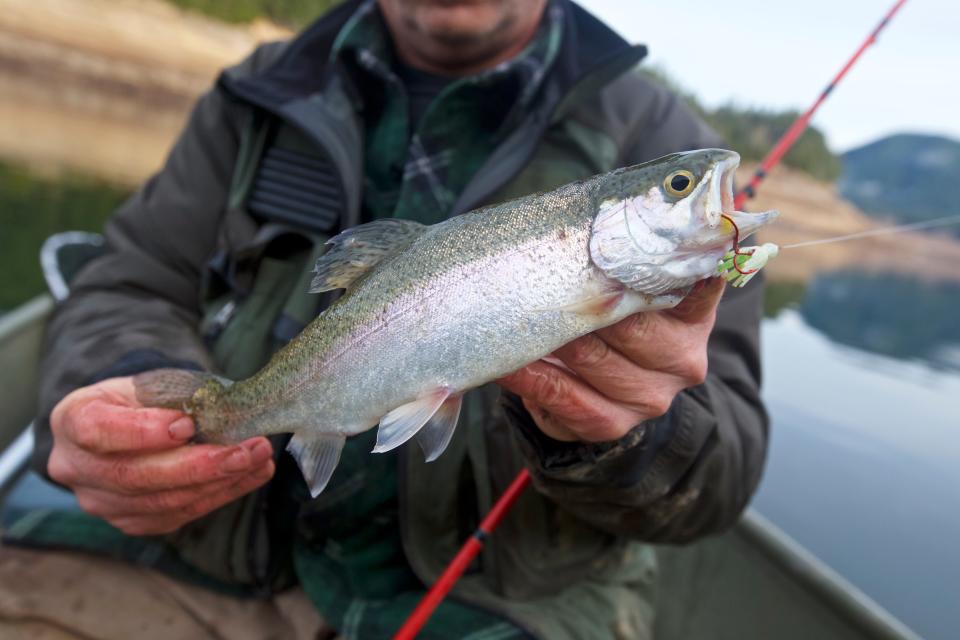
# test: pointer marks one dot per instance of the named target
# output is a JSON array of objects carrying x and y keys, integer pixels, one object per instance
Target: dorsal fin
[{"x": 355, "y": 251}]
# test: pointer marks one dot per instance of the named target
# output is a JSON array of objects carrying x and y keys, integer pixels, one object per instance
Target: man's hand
[
  {"x": 621, "y": 375},
  {"x": 131, "y": 466}
]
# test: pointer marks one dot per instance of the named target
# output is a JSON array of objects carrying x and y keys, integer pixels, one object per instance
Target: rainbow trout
[{"x": 430, "y": 312}]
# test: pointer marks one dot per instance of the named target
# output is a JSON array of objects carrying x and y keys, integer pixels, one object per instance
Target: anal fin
[
  {"x": 405, "y": 421},
  {"x": 435, "y": 435},
  {"x": 317, "y": 456}
]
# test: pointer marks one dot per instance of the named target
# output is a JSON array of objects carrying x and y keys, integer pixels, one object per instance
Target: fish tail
[{"x": 174, "y": 388}]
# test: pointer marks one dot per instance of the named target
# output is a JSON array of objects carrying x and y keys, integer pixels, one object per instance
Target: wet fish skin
[{"x": 433, "y": 311}]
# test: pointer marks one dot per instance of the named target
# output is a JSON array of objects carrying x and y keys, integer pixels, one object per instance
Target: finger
[
  {"x": 700, "y": 306},
  {"x": 106, "y": 504},
  {"x": 99, "y": 426},
  {"x": 186, "y": 466},
  {"x": 574, "y": 403},
  {"x": 651, "y": 341},
  {"x": 670, "y": 341},
  {"x": 161, "y": 524},
  {"x": 617, "y": 377}
]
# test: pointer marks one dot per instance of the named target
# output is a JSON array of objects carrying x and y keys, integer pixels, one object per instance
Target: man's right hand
[{"x": 131, "y": 466}]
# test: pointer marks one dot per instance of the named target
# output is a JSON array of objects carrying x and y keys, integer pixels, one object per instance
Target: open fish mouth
[{"x": 719, "y": 205}]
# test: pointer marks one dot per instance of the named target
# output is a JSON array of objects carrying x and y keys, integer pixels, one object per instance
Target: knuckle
[
  {"x": 606, "y": 431},
  {"x": 86, "y": 432},
  {"x": 62, "y": 413},
  {"x": 132, "y": 527},
  {"x": 90, "y": 504},
  {"x": 632, "y": 328},
  {"x": 59, "y": 468},
  {"x": 146, "y": 526},
  {"x": 199, "y": 508},
  {"x": 659, "y": 404},
  {"x": 550, "y": 390},
  {"x": 162, "y": 502},
  {"x": 588, "y": 351},
  {"x": 199, "y": 472},
  {"x": 126, "y": 476},
  {"x": 695, "y": 370}
]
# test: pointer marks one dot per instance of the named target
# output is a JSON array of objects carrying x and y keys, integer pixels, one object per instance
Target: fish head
[{"x": 664, "y": 224}]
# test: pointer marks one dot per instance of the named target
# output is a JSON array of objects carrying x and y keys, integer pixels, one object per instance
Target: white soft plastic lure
[{"x": 739, "y": 267}]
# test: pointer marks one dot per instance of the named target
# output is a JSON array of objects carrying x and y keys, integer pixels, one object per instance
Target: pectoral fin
[
  {"x": 358, "y": 250},
  {"x": 595, "y": 306},
  {"x": 435, "y": 435},
  {"x": 317, "y": 456},
  {"x": 402, "y": 423}
]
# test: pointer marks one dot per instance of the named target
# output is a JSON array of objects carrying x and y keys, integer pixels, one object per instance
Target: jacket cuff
[
  {"x": 599, "y": 462},
  {"x": 134, "y": 362}
]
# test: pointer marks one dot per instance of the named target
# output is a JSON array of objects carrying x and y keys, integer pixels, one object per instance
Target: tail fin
[{"x": 172, "y": 388}]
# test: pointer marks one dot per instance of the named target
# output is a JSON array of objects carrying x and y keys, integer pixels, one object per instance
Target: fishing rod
[
  {"x": 788, "y": 139},
  {"x": 462, "y": 560},
  {"x": 421, "y": 614}
]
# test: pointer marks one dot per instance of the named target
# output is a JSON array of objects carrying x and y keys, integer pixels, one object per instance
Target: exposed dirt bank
[
  {"x": 105, "y": 85},
  {"x": 812, "y": 210}
]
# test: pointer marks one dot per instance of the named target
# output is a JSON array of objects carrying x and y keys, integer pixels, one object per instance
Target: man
[{"x": 406, "y": 108}]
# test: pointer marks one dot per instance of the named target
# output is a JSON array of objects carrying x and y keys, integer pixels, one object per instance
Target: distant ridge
[{"x": 906, "y": 177}]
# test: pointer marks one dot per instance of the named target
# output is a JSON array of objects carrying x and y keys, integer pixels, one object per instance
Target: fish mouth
[{"x": 719, "y": 208}]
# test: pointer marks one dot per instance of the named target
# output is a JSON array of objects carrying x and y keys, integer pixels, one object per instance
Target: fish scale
[{"x": 430, "y": 312}]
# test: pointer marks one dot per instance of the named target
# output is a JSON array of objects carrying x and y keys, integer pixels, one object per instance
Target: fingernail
[
  {"x": 181, "y": 429},
  {"x": 261, "y": 452},
  {"x": 238, "y": 460}
]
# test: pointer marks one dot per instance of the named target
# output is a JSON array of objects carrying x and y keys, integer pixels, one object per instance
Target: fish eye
[{"x": 679, "y": 183}]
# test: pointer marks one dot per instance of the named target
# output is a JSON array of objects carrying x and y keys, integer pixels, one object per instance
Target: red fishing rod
[
  {"x": 474, "y": 544},
  {"x": 800, "y": 124},
  {"x": 462, "y": 560}
]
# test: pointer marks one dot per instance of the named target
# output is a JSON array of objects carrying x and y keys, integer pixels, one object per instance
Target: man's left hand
[{"x": 621, "y": 375}]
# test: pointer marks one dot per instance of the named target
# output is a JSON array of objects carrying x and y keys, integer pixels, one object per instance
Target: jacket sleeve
[
  {"x": 137, "y": 306},
  {"x": 692, "y": 471}
]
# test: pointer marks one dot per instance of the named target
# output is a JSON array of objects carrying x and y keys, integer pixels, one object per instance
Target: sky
[{"x": 780, "y": 55}]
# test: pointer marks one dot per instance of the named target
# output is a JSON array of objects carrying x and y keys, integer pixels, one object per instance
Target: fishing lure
[{"x": 739, "y": 265}]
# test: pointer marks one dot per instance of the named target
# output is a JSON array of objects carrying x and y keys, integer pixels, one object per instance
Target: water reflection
[
  {"x": 888, "y": 314},
  {"x": 862, "y": 382}
]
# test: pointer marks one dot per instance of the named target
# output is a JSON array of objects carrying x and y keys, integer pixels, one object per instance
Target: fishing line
[{"x": 927, "y": 224}]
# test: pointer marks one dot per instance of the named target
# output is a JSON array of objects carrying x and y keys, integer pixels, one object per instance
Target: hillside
[
  {"x": 103, "y": 86},
  {"x": 812, "y": 210},
  {"x": 905, "y": 177}
]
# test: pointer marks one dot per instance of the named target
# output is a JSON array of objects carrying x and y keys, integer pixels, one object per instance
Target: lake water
[{"x": 864, "y": 466}]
